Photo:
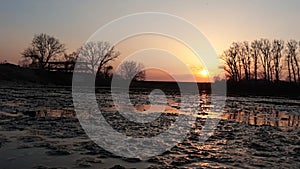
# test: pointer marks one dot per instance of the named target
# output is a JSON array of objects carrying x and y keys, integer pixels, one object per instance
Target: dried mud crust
[{"x": 232, "y": 145}]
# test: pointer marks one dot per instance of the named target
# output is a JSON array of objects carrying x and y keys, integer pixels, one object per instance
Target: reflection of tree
[
  {"x": 97, "y": 55},
  {"x": 271, "y": 117},
  {"x": 43, "y": 48},
  {"x": 132, "y": 70}
]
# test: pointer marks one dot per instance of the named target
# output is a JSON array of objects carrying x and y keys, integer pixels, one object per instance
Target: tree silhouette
[
  {"x": 24, "y": 62},
  {"x": 72, "y": 57},
  {"x": 43, "y": 48},
  {"x": 97, "y": 55},
  {"x": 255, "y": 54},
  {"x": 262, "y": 57},
  {"x": 132, "y": 70},
  {"x": 277, "y": 48},
  {"x": 292, "y": 60},
  {"x": 232, "y": 61},
  {"x": 245, "y": 56},
  {"x": 107, "y": 72},
  {"x": 265, "y": 57}
]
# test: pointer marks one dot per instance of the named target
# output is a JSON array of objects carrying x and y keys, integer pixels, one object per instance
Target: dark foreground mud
[{"x": 39, "y": 129}]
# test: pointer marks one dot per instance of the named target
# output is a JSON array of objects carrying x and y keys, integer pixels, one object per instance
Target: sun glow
[{"x": 203, "y": 73}]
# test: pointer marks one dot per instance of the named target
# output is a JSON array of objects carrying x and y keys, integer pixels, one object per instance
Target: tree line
[
  {"x": 263, "y": 59},
  {"x": 95, "y": 56}
]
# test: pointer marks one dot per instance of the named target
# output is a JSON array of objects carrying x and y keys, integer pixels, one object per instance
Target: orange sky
[
  {"x": 157, "y": 75},
  {"x": 222, "y": 22},
  {"x": 158, "y": 51}
]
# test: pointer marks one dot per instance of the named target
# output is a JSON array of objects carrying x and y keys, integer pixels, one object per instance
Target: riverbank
[{"x": 14, "y": 75}]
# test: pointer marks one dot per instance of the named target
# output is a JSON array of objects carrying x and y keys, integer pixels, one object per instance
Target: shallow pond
[{"x": 39, "y": 129}]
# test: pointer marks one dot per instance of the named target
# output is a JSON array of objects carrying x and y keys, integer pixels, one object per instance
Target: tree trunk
[{"x": 289, "y": 69}]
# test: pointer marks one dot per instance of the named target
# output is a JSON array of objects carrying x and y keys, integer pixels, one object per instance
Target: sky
[{"x": 74, "y": 21}]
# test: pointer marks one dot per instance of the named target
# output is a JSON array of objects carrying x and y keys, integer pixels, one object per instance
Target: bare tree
[
  {"x": 24, "y": 62},
  {"x": 277, "y": 48},
  {"x": 43, "y": 48},
  {"x": 297, "y": 60},
  {"x": 255, "y": 53},
  {"x": 107, "y": 72},
  {"x": 132, "y": 70},
  {"x": 265, "y": 57},
  {"x": 245, "y": 56},
  {"x": 232, "y": 65},
  {"x": 292, "y": 60},
  {"x": 97, "y": 55},
  {"x": 72, "y": 57}
]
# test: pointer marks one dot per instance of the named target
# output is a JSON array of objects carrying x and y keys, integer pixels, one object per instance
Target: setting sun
[{"x": 203, "y": 72}]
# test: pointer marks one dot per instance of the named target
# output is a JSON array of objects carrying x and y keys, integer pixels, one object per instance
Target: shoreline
[{"x": 13, "y": 75}]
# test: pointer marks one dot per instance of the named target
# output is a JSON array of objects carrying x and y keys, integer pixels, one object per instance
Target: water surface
[{"x": 39, "y": 128}]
